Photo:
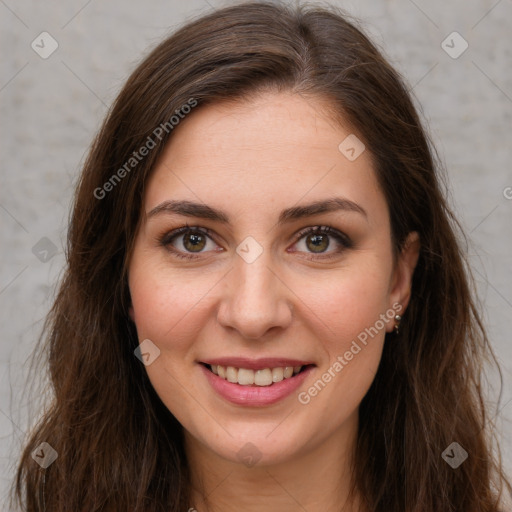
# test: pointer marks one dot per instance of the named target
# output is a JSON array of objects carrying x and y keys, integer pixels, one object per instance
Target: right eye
[{"x": 191, "y": 239}]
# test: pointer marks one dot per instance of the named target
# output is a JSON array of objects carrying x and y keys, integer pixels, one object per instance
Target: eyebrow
[{"x": 203, "y": 211}]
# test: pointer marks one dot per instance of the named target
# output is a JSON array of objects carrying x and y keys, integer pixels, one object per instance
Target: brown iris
[
  {"x": 197, "y": 241},
  {"x": 316, "y": 240}
]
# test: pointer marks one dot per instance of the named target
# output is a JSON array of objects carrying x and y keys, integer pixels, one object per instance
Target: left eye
[{"x": 316, "y": 239}]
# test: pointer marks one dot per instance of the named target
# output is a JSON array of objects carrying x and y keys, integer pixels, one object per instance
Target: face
[{"x": 257, "y": 282}]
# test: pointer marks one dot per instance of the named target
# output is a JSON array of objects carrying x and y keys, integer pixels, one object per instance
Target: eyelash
[{"x": 341, "y": 238}]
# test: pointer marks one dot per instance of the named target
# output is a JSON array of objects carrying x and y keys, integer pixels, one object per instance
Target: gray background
[{"x": 51, "y": 108}]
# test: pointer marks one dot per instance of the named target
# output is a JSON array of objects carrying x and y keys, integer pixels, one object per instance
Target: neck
[{"x": 315, "y": 480}]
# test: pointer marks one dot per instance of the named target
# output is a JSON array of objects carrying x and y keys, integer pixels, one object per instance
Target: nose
[{"x": 255, "y": 298}]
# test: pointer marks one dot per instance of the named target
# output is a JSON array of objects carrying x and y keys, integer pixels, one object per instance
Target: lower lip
[{"x": 255, "y": 396}]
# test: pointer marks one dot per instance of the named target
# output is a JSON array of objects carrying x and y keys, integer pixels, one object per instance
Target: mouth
[
  {"x": 263, "y": 377},
  {"x": 255, "y": 383}
]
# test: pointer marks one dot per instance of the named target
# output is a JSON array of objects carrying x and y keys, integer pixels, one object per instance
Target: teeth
[
  {"x": 277, "y": 374},
  {"x": 288, "y": 372},
  {"x": 245, "y": 377},
  {"x": 231, "y": 374},
  {"x": 248, "y": 377},
  {"x": 263, "y": 377}
]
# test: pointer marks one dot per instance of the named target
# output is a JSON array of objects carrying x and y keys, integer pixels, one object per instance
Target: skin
[{"x": 252, "y": 159}]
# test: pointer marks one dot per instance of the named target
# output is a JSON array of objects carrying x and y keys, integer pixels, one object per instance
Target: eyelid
[
  {"x": 325, "y": 230},
  {"x": 170, "y": 235}
]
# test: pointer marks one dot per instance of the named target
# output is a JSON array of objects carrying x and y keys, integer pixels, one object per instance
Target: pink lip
[
  {"x": 256, "y": 364},
  {"x": 255, "y": 396}
]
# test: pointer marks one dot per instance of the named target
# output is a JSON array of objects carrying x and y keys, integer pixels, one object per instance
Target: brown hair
[{"x": 118, "y": 446}]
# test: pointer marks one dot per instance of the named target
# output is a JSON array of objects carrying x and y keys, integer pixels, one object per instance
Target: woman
[{"x": 265, "y": 306}]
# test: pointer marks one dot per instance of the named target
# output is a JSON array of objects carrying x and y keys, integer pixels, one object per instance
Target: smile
[
  {"x": 249, "y": 377},
  {"x": 255, "y": 387}
]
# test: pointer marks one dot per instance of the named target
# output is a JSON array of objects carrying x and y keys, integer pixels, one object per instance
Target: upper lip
[{"x": 256, "y": 364}]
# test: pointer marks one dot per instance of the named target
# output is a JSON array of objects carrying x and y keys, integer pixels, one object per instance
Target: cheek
[
  {"x": 165, "y": 309},
  {"x": 164, "y": 300},
  {"x": 349, "y": 302},
  {"x": 352, "y": 313}
]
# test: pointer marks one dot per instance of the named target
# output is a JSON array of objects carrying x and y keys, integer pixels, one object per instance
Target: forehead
[{"x": 271, "y": 151}]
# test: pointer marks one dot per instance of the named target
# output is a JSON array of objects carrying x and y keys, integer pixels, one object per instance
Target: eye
[
  {"x": 316, "y": 240},
  {"x": 187, "y": 240}
]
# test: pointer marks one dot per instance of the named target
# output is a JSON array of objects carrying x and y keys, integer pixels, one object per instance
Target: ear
[{"x": 404, "y": 269}]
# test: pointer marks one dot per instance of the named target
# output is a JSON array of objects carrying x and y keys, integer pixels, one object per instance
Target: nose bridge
[{"x": 255, "y": 299}]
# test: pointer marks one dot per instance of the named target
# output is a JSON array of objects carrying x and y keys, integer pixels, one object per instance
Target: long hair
[{"x": 118, "y": 446}]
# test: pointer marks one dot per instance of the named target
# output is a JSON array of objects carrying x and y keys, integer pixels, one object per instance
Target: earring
[{"x": 398, "y": 318}]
